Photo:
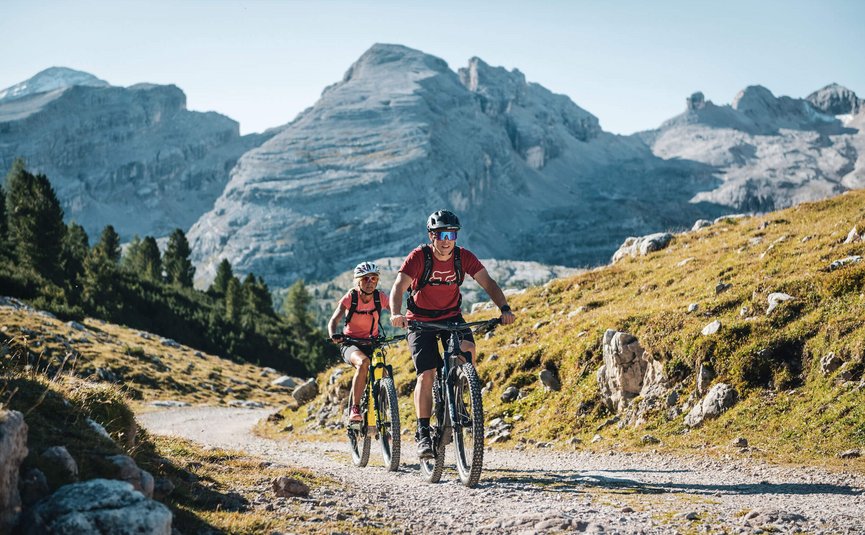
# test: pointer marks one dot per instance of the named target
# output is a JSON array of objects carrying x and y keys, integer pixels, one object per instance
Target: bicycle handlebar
[
  {"x": 487, "y": 325},
  {"x": 380, "y": 341}
]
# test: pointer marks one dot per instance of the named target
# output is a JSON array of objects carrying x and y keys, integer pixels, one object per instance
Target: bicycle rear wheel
[
  {"x": 469, "y": 427},
  {"x": 431, "y": 469},
  {"x": 389, "y": 430},
  {"x": 358, "y": 438}
]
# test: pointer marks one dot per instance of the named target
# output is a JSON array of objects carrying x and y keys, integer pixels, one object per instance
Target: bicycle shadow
[{"x": 576, "y": 481}]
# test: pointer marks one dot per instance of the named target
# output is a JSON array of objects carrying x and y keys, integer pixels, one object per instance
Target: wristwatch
[{"x": 505, "y": 308}]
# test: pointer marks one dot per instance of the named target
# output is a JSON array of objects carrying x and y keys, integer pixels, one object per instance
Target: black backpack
[
  {"x": 424, "y": 280},
  {"x": 352, "y": 309}
]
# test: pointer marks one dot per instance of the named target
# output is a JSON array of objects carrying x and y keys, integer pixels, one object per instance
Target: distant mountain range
[{"x": 531, "y": 174}]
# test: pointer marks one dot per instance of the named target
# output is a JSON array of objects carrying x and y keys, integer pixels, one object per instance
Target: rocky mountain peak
[
  {"x": 696, "y": 101},
  {"x": 382, "y": 57},
  {"x": 49, "y": 80},
  {"x": 836, "y": 99}
]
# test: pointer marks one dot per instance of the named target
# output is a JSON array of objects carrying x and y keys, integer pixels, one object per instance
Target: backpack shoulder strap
[
  {"x": 352, "y": 308},
  {"x": 427, "y": 266}
]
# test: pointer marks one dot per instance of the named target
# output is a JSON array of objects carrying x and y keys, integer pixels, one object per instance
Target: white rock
[{"x": 711, "y": 328}]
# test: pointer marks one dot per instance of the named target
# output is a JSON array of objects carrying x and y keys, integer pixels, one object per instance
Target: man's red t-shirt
[{"x": 440, "y": 296}]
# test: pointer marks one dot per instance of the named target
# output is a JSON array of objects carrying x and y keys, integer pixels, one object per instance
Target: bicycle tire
[
  {"x": 431, "y": 469},
  {"x": 469, "y": 436},
  {"x": 389, "y": 433},
  {"x": 358, "y": 440}
]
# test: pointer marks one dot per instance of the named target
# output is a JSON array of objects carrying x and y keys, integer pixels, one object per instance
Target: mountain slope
[
  {"x": 112, "y": 151},
  {"x": 770, "y": 152},
  {"x": 401, "y": 136}
]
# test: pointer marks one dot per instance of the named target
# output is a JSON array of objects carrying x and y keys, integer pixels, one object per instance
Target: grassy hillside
[
  {"x": 788, "y": 410},
  {"x": 49, "y": 371}
]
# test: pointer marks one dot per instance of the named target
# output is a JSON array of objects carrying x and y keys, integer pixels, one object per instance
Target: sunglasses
[
  {"x": 445, "y": 235},
  {"x": 370, "y": 278}
]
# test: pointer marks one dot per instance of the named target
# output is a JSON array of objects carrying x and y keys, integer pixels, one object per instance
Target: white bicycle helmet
[{"x": 366, "y": 268}]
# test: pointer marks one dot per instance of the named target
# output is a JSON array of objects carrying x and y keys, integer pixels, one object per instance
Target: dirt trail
[{"x": 540, "y": 491}]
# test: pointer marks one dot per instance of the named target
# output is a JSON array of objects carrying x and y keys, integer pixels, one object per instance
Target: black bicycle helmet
[{"x": 442, "y": 219}]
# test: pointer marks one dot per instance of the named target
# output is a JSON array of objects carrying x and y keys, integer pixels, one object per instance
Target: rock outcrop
[
  {"x": 96, "y": 507},
  {"x": 13, "y": 450}
]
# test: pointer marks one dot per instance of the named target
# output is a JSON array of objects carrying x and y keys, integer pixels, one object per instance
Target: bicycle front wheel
[
  {"x": 431, "y": 469},
  {"x": 389, "y": 430},
  {"x": 469, "y": 427},
  {"x": 358, "y": 438}
]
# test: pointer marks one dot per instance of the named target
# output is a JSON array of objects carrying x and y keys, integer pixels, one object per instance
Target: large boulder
[
  {"x": 720, "y": 398},
  {"x": 98, "y": 507},
  {"x": 305, "y": 392},
  {"x": 13, "y": 450},
  {"x": 643, "y": 245},
  {"x": 620, "y": 378},
  {"x": 59, "y": 466}
]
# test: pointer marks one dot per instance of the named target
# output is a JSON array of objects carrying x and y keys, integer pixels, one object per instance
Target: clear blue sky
[{"x": 631, "y": 63}]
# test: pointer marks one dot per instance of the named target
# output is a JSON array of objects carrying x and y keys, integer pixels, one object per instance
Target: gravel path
[{"x": 540, "y": 491}]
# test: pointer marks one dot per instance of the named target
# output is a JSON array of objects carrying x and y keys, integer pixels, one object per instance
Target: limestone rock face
[
  {"x": 621, "y": 377},
  {"x": 113, "y": 151},
  {"x": 356, "y": 175},
  {"x": 770, "y": 152},
  {"x": 720, "y": 398}
]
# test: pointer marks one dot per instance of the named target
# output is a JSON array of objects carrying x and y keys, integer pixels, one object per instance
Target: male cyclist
[
  {"x": 434, "y": 273},
  {"x": 362, "y": 308}
]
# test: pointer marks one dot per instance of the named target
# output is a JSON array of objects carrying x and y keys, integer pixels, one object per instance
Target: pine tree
[
  {"x": 35, "y": 220},
  {"x": 100, "y": 291},
  {"x": 151, "y": 262},
  {"x": 220, "y": 283},
  {"x": 233, "y": 301},
  {"x": 3, "y": 228},
  {"x": 178, "y": 266},
  {"x": 296, "y": 306},
  {"x": 109, "y": 244},
  {"x": 76, "y": 245}
]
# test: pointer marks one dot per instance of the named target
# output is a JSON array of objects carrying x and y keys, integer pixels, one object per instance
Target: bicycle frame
[{"x": 377, "y": 368}]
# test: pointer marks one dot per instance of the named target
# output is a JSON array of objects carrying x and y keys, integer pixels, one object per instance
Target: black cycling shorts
[{"x": 424, "y": 345}]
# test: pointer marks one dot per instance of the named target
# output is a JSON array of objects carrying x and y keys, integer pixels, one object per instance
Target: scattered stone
[
  {"x": 740, "y": 442},
  {"x": 649, "y": 439},
  {"x": 597, "y": 438},
  {"x": 100, "y": 430},
  {"x": 549, "y": 380},
  {"x": 123, "y": 468},
  {"x": 511, "y": 393},
  {"x": 705, "y": 375},
  {"x": 270, "y": 371},
  {"x": 745, "y": 311},
  {"x": 246, "y": 404},
  {"x": 168, "y": 342},
  {"x": 730, "y": 217},
  {"x": 58, "y": 466},
  {"x": 305, "y": 392},
  {"x": 838, "y": 264},
  {"x": 829, "y": 363},
  {"x": 75, "y": 325},
  {"x": 169, "y": 403},
  {"x": 688, "y": 516},
  {"x": 642, "y": 246},
  {"x": 288, "y": 487},
  {"x": 684, "y": 262},
  {"x": 98, "y": 506},
  {"x": 13, "y": 450},
  {"x": 540, "y": 324},
  {"x": 692, "y": 307},
  {"x": 722, "y": 287},
  {"x": 853, "y": 236},
  {"x": 285, "y": 381},
  {"x": 720, "y": 398},
  {"x": 700, "y": 223},
  {"x": 775, "y": 299},
  {"x": 850, "y": 454},
  {"x": 711, "y": 328}
]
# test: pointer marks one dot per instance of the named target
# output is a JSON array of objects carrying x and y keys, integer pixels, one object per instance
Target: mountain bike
[
  {"x": 458, "y": 412},
  {"x": 378, "y": 405}
]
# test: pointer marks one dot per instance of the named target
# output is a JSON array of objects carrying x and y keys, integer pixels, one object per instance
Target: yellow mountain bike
[{"x": 378, "y": 405}]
